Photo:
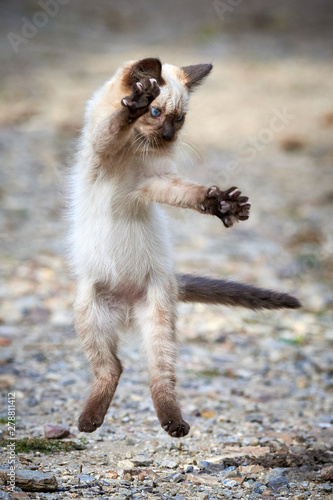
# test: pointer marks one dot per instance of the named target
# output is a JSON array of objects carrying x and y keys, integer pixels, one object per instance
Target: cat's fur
[{"x": 119, "y": 243}]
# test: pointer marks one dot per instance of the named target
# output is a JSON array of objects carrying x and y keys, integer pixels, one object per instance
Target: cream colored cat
[{"x": 119, "y": 244}]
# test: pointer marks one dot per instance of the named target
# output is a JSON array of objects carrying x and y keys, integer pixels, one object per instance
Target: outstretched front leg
[{"x": 174, "y": 190}]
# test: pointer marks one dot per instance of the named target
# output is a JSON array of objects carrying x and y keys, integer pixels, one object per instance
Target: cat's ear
[
  {"x": 195, "y": 73},
  {"x": 145, "y": 68}
]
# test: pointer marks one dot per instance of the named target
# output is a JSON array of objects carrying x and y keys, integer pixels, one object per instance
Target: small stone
[
  {"x": 5, "y": 496},
  {"x": 7, "y": 381},
  {"x": 203, "y": 479},
  {"x": 147, "y": 474},
  {"x": 327, "y": 473},
  {"x": 244, "y": 451},
  {"x": 229, "y": 483},
  {"x": 277, "y": 481},
  {"x": 254, "y": 417},
  {"x": 188, "y": 469},
  {"x": 85, "y": 478},
  {"x": 208, "y": 414},
  {"x": 251, "y": 469},
  {"x": 142, "y": 461},
  {"x": 112, "y": 474},
  {"x": 169, "y": 464},
  {"x": 254, "y": 441},
  {"x": 128, "y": 454},
  {"x": 130, "y": 441},
  {"x": 78, "y": 445},
  {"x": 176, "y": 477},
  {"x": 55, "y": 431},
  {"x": 32, "y": 480},
  {"x": 125, "y": 464},
  {"x": 211, "y": 467},
  {"x": 229, "y": 472},
  {"x": 327, "y": 487}
]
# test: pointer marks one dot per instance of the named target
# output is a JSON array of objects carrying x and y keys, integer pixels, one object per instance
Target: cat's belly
[{"x": 123, "y": 250}]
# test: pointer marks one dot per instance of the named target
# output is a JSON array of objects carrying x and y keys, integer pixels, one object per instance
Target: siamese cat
[{"x": 126, "y": 168}]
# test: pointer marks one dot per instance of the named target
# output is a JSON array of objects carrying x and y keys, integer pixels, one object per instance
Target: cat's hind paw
[
  {"x": 143, "y": 94},
  {"x": 176, "y": 429},
  {"x": 89, "y": 421}
]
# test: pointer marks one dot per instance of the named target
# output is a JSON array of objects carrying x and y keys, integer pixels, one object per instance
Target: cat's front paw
[
  {"x": 176, "y": 428},
  {"x": 227, "y": 205},
  {"x": 143, "y": 94}
]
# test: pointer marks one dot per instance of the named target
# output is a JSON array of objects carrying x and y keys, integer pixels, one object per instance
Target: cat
[{"x": 119, "y": 244}]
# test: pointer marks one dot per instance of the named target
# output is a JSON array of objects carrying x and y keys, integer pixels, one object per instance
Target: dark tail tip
[{"x": 291, "y": 302}]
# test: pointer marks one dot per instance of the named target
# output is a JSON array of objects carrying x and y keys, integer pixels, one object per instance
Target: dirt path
[{"x": 257, "y": 388}]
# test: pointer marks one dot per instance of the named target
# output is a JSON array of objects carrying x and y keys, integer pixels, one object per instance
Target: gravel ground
[{"x": 257, "y": 388}]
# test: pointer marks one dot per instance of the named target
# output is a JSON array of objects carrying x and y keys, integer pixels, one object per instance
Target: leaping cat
[{"x": 126, "y": 168}]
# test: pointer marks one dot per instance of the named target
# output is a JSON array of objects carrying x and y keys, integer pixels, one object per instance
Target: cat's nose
[{"x": 168, "y": 131}]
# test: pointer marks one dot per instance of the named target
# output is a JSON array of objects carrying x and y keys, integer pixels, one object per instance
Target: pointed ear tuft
[
  {"x": 195, "y": 73},
  {"x": 145, "y": 68}
]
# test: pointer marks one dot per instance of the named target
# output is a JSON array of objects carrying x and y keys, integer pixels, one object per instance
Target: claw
[
  {"x": 233, "y": 192},
  {"x": 139, "y": 85},
  {"x": 152, "y": 80},
  {"x": 166, "y": 426},
  {"x": 212, "y": 190}
]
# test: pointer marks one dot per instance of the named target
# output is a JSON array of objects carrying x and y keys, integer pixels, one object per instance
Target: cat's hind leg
[
  {"x": 97, "y": 319},
  {"x": 156, "y": 318}
]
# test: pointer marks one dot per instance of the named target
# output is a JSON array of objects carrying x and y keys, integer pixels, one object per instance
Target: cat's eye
[
  {"x": 155, "y": 112},
  {"x": 179, "y": 118}
]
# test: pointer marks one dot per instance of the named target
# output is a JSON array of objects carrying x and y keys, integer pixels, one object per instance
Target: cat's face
[
  {"x": 159, "y": 128},
  {"x": 166, "y": 115}
]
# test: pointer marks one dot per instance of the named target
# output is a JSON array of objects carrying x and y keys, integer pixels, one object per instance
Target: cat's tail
[{"x": 229, "y": 293}]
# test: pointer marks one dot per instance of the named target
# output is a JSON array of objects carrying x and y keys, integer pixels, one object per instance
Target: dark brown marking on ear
[
  {"x": 195, "y": 73},
  {"x": 143, "y": 69}
]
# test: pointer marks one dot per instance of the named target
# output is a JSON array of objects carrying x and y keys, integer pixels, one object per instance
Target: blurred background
[{"x": 262, "y": 121}]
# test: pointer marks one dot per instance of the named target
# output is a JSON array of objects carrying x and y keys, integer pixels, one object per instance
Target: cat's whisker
[
  {"x": 140, "y": 135},
  {"x": 140, "y": 144},
  {"x": 186, "y": 152},
  {"x": 191, "y": 148},
  {"x": 145, "y": 148},
  {"x": 189, "y": 143}
]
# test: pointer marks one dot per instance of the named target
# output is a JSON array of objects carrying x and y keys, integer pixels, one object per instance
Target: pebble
[
  {"x": 85, "y": 478},
  {"x": 30, "y": 480},
  {"x": 111, "y": 474},
  {"x": 327, "y": 473},
  {"x": 169, "y": 464},
  {"x": 141, "y": 461},
  {"x": 276, "y": 480},
  {"x": 229, "y": 483},
  {"x": 55, "y": 431},
  {"x": 176, "y": 477}
]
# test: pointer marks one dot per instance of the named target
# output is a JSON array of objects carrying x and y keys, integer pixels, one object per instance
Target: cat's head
[{"x": 160, "y": 127}]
